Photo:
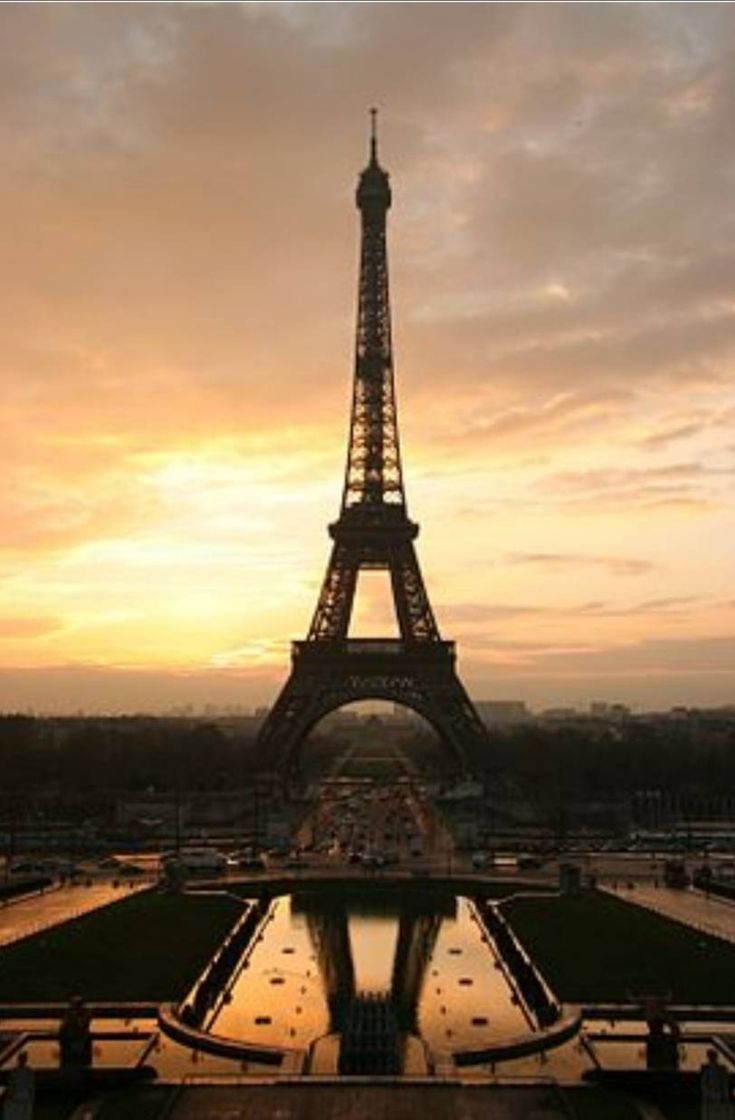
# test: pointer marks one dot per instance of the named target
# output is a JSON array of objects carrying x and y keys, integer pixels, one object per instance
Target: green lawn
[
  {"x": 592, "y": 948},
  {"x": 56, "y": 1106},
  {"x": 147, "y": 947},
  {"x": 145, "y": 1102},
  {"x": 601, "y": 1104},
  {"x": 151, "y": 1102}
]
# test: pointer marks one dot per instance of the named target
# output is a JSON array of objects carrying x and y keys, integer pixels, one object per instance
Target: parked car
[
  {"x": 251, "y": 863},
  {"x": 193, "y": 861},
  {"x": 372, "y": 861},
  {"x": 26, "y": 868},
  {"x": 109, "y": 863},
  {"x": 529, "y": 863},
  {"x": 130, "y": 870}
]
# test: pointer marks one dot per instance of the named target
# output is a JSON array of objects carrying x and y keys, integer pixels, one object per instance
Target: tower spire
[
  {"x": 373, "y": 476},
  {"x": 373, "y": 135}
]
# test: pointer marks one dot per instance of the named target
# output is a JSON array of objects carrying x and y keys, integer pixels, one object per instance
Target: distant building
[
  {"x": 601, "y": 709},
  {"x": 497, "y": 713},
  {"x": 153, "y": 811},
  {"x": 559, "y": 714},
  {"x": 340, "y": 718}
]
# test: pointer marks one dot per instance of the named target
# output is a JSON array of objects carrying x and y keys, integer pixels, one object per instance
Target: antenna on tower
[{"x": 373, "y": 135}]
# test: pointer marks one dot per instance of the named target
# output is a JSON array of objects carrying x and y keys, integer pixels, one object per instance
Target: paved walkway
[
  {"x": 41, "y": 911},
  {"x": 692, "y": 908},
  {"x": 370, "y": 1102}
]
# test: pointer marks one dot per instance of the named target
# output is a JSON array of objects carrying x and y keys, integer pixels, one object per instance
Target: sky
[{"x": 180, "y": 248}]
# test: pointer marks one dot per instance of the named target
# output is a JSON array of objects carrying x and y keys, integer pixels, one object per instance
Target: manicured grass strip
[
  {"x": 601, "y": 1104},
  {"x": 147, "y": 947},
  {"x": 145, "y": 1102},
  {"x": 57, "y": 1106},
  {"x": 592, "y": 948}
]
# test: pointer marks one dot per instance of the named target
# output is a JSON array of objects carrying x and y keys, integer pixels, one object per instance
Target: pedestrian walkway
[
  {"x": 58, "y": 904},
  {"x": 367, "y": 1101},
  {"x": 691, "y": 907}
]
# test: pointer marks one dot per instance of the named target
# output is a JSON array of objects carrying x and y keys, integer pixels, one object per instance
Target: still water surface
[{"x": 318, "y": 948}]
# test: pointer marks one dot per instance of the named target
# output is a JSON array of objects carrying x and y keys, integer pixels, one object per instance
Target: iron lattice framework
[{"x": 373, "y": 531}]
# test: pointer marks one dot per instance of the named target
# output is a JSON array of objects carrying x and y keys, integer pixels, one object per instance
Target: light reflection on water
[
  {"x": 373, "y": 940},
  {"x": 280, "y": 986},
  {"x": 424, "y": 949},
  {"x": 487, "y": 996}
]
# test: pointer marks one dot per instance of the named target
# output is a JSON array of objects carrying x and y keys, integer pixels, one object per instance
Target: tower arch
[{"x": 293, "y": 763}]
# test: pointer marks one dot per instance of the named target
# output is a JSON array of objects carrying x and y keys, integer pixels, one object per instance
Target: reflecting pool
[{"x": 318, "y": 950}]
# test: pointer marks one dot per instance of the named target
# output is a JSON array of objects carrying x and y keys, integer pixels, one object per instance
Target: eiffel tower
[{"x": 373, "y": 531}]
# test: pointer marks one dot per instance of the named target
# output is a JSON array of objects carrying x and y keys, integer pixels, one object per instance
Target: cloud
[
  {"x": 479, "y": 614},
  {"x": 671, "y": 435},
  {"x": 617, "y": 565},
  {"x": 42, "y": 518},
  {"x": 685, "y": 484},
  {"x": 12, "y": 628},
  {"x": 253, "y": 653},
  {"x": 101, "y": 689},
  {"x": 657, "y": 657},
  {"x": 546, "y": 422}
]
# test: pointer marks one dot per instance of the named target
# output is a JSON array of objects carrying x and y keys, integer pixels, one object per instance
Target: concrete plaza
[
  {"x": 693, "y": 908},
  {"x": 22, "y": 917}
]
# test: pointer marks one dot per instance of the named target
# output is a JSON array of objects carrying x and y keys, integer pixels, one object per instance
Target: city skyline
[{"x": 178, "y": 208}]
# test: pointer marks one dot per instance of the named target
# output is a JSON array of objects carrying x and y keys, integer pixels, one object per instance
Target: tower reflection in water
[{"x": 420, "y": 950}]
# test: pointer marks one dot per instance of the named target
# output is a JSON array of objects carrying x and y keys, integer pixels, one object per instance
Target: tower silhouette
[{"x": 373, "y": 531}]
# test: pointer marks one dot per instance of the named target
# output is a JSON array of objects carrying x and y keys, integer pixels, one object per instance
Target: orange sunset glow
[{"x": 179, "y": 285}]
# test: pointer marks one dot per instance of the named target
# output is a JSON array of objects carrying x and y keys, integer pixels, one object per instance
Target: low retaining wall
[
  {"x": 14, "y": 892},
  {"x": 566, "y": 1027},
  {"x": 183, "y": 1022},
  {"x": 720, "y": 888},
  {"x": 133, "y": 1010},
  {"x": 532, "y": 988},
  {"x": 220, "y": 969},
  {"x": 277, "y": 881},
  {"x": 684, "y": 1012},
  {"x": 110, "y": 1077},
  {"x": 173, "y": 1026},
  {"x": 557, "y": 1026}
]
